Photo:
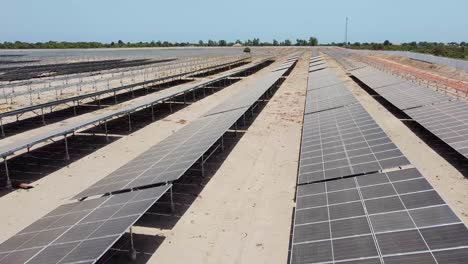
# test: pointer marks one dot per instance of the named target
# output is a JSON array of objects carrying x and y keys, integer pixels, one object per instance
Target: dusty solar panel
[
  {"x": 376, "y": 79},
  {"x": 408, "y": 95},
  {"x": 79, "y": 232},
  {"x": 447, "y": 120},
  {"x": 249, "y": 96},
  {"x": 170, "y": 159},
  {"x": 344, "y": 141},
  {"x": 328, "y": 97},
  {"x": 395, "y": 217}
]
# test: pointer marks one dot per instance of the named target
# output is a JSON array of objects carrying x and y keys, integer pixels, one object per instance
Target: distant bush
[
  {"x": 450, "y": 50},
  {"x": 247, "y": 50}
]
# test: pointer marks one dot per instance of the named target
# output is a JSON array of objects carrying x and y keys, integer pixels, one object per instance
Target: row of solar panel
[
  {"x": 349, "y": 211},
  {"x": 393, "y": 217},
  {"x": 172, "y": 157},
  {"x": 82, "y": 232},
  {"x": 79, "y": 232},
  {"x": 442, "y": 115}
]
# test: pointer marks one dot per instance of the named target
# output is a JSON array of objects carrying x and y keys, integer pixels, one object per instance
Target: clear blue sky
[{"x": 192, "y": 20}]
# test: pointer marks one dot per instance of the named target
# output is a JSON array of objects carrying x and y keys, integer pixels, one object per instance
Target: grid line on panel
[
  {"x": 446, "y": 120},
  {"x": 370, "y": 185},
  {"x": 68, "y": 228},
  {"x": 384, "y": 213},
  {"x": 328, "y": 208},
  {"x": 111, "y": 217},
  {"x": 42, "y": 237},
  {"x": 367, "y": 199},
  {"x": 412, "y": 220},
  {"x": 399, "y": 231}
]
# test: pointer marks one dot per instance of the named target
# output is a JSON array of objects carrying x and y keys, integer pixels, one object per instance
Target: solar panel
[
  {"x": 170, "y": 159},
  {"x": 446, "y": 120},
  {"x": 79, "y": 232},
  {"x": 376, "y": 79},
  {"x": 328, "y": 97},
  {"x": 407, "y": 95},
  {"x": 393, "y": 217},
  {"x": 249, "y": 96},
  {"x": 15, "y": 144},
  {"x": 322, "y": 79},
  {"x": 344, "y": 141}
]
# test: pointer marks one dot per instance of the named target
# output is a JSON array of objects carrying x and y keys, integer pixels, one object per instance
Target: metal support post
[
  {"x": 67, "y": 155},
  {"x": 152, "y": 113},
  {"x": 43, "y": 118},
  {"x": 202, "y": 166},
  {"x": 8, "y": 185},
  {"x": 132, "y": 248},
  {"x": 1, "y": 127},
  {"x": 129, "y": 123},
  {"x": 172, "y": 200},
  {"x": 105, "y": 129}
]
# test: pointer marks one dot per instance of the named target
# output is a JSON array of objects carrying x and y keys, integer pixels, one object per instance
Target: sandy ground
[
  {"x": 245, "y": 213},
  {"x": 447, "y": 181},
  {"x": 58, "y": 187}
]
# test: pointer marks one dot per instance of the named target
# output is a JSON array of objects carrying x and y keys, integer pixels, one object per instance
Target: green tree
[
  {"x": 222, "y": 43},
  {"x": 313, "y": 41},
  {"x": 256, "y": 42}
]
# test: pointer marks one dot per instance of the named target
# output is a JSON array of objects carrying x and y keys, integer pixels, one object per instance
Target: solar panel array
[
  {"x": 14, "y": 145},
  {"x": 375, "y": 79},
  {"x": 327, "y": 91},
  {"x": 82, "y": 232},
  {"x": 79, "y": 232},
  {"x": 393, "y": 217},
  {"x": 328, "y": 98},
  {"x": 406, "y": 95},
  {"x": 168, "y": 160},
  {"x": 356, "y": 203},
  {"x": 172, "y": 157},
  {"x": 249, "y": 97},
  {"x": 343, "y": 59},
  {"x": 342, "y": 142},
  {"x": 447, "y": 120},
  {"x": 442, "y": 115}
]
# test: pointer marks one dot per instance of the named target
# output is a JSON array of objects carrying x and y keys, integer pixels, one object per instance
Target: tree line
[
  {"x": 312, "y": 41},
  {"x": 451, "y": 50}
]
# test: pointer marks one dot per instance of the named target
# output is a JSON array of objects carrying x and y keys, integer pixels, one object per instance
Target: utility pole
[{"x": 346, "y": 33}]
